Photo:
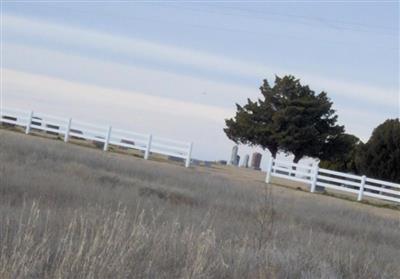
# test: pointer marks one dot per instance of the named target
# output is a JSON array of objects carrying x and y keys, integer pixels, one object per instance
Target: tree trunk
[
  {"x": 274, "y": 151},
  {"x": 297, "y": 158}
]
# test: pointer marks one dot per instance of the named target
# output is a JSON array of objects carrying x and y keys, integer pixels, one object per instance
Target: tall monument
[{"x": 234, "y": 156}]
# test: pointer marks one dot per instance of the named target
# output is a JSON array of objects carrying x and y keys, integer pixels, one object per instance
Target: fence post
[
  {"x": 28, "y": 125},
  {"x": 187, "y": 164},
  {"x": 107, "y": 138},
  {"x": 66, "y": 136},
  {"x": 314, "y": 178},
  {"x": 362, "y": 185},
  {"x": 269, "y": 170},
  {"x": 148, "y": 146}
]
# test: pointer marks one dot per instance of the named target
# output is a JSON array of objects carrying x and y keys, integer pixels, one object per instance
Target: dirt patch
[
  {"x": 111, "y": 180},
  {"x": 174, "y": 198}
]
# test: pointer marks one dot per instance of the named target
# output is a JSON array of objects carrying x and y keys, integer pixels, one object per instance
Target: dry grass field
[{"x": 67, "y": 211}]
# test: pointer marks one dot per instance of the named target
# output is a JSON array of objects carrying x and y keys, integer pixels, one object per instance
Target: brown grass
[{"x": 71, "y": 212}]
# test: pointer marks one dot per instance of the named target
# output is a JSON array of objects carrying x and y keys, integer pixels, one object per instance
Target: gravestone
[
  {"x": 256, "y": 161},
  {"x": 245, "y": 163}
]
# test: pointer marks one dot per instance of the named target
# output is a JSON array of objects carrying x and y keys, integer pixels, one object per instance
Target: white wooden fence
[
  {"x": 105, "y": 135},
  {"x": 361, "y": 186}
]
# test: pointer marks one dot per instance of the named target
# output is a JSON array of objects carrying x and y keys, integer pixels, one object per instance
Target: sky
[{"x": 176, "y": 68}]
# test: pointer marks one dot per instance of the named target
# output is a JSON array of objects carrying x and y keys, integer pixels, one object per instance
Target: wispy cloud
[
  {"x": 130, "y": 47},
  {"x": 127, "y": 77},
  {"x": 56, "y": 92}
]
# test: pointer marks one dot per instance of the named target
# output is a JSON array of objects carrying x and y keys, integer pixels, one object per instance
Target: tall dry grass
[{"x": 71, "y": 212}]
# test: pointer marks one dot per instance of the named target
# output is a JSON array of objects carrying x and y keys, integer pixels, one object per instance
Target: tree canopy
[
  {"x": 289, "y": 117},
  {"x": 380, "y": 156}
]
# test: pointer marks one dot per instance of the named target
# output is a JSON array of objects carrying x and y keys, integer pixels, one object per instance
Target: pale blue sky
[{"x": 195, "y": 60}]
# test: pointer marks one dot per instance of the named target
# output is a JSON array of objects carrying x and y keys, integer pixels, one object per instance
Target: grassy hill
[{"x": 67, "y": 211}]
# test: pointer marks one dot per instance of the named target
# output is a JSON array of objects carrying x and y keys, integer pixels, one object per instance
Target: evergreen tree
[
  {"x": 380, "y": 156},
  {"x": 289, "y": 117}
]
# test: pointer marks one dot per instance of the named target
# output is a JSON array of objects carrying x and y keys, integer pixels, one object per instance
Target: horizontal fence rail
[
  {"x": 361, "y": 186},
  {"x": 100, "y": 135}
]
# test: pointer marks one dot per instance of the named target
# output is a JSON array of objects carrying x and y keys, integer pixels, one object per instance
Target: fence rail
[
  {"x": 361, "y": 186},
  {"x": 105, "y": 135}
]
